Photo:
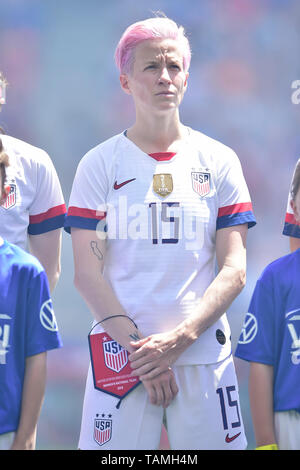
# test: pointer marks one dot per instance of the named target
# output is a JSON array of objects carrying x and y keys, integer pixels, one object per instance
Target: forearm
[
  {"x": 104, "y": 304},
  {"x": 32, "y": 399},
  {"x": 227, "y": 285},
  {"x": 89, "y": 257},
  {"x": 215, "y": 301},
  {"x": 162, "y": 350},
  {"x": 53, "y": 275},
  {"x": 261, "y": 402},
  {"x": 46, "y": 248}
]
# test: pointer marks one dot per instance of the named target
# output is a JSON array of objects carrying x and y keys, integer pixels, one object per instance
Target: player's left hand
[{"x": 154, "y": 354}]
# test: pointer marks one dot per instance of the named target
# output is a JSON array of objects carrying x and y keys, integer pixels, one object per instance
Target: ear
[{"x": 124, "y": 81}]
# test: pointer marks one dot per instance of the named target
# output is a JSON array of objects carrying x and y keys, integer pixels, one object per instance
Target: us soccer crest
[
  {"x": 102, "y": 429},
  {"x": 163, "y": 184},
  {"x": 10, "y": 201},
  {"x": 115, "y": 356},
  {"x": 201, "y": 182},
  {"x": 112, "y": 373}
]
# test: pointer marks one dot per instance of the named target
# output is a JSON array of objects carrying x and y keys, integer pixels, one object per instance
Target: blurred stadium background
[{"x": 64, "y": 96}]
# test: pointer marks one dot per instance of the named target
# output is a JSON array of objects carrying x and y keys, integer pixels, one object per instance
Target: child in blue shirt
[{"x": 270, "y": 341}]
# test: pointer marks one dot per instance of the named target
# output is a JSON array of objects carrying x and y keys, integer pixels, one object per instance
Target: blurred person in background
[
  {"x": 270, "y": 341},
  {"x": 291, "y": 225},
  {"x": 28, "y": 330},
  {"x": 33, "y": 213},
  {"x": 150, "y": 211}
]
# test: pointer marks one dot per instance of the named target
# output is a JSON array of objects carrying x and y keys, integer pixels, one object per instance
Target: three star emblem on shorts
[{"x": 102, "y": 429}]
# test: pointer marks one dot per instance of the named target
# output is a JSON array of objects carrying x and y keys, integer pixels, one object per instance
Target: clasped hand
[
  {"x": 154, "y": 355},
  {"x": 152, "y": 362}
]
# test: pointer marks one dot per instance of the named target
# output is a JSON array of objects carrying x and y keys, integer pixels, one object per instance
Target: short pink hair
[{"x": 152, "y": 28}]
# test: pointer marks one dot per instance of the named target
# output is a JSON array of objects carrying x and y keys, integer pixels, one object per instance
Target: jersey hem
[
  {"x": 9, "y": 430},
  {"x": 285, "y": 410},
  {"x": 260, "y": 361},
  {"x": 43, "y": 349},
  {"x": 77, "y": 222},
  {"x": 47, "y": 225},
  {"x": 215, "y": 360},
  {"x": 236, "y": 219}
]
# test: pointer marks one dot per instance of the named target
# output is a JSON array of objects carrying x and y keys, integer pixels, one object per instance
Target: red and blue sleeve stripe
[
  {"x": 52, "y": 219},
  {"x": 236, "y": 214},
  {"x": 291, "y": 226},
  {"x": 83, "y": 218}
]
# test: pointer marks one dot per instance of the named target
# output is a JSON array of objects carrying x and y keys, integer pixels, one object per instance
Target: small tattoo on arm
[{"x": 96, "y": 250}]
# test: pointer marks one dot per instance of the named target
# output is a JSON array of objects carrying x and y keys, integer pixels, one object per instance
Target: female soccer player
[
  {"x": 27, "y": 331},
  {"x": 34, "y": 210},
  {"x": 270, "y": 340},
  {"x": 150, "y": 210}
]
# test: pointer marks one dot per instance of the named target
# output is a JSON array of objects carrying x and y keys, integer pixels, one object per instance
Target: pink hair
[{"x": 152, "y": 28}]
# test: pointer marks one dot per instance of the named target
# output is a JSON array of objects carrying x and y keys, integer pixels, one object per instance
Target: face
[
  {"x": 157, "y": 81},
  {"x": 295, "y": 203}
]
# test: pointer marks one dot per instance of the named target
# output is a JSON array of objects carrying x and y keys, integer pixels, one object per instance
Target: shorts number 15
[{"x": 225, "y": 402}]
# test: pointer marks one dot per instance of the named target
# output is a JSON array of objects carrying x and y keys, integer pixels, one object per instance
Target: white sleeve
[
  {"x": 87, "y": 205},
  {"x": 235, "y": 205},
  {"x": 47, "y": 210}
]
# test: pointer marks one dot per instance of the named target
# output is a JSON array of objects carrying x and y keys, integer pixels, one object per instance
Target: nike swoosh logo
[
  {"x": 118, "y": 186},
  {"x": 229, "y": 439}
]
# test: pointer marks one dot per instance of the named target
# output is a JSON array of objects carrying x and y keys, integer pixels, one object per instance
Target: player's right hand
[{"x": 162, "y": 389}]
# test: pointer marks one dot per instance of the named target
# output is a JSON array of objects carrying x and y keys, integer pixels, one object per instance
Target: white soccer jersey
[
  {"x": 161, "y": 213},
  {"x": 35, "y": 203}
]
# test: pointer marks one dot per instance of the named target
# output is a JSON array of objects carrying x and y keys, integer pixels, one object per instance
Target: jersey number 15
[{"x": 164, "y": 219}]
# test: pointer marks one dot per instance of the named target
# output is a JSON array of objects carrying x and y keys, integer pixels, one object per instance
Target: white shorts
[
  {"x": 205, "y": 414},
  {"x": 287, "y": 430},
  {"x": 6, "y": 440}
]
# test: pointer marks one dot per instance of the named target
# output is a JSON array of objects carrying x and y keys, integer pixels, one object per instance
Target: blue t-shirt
[
  {"x": 27, "y": 326},
  {"x": 271, "y": 330}
]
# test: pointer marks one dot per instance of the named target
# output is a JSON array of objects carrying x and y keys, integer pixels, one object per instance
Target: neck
[{"x": 161, "y": 134}]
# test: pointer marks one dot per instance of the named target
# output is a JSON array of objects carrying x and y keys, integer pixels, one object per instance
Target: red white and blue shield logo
[
  {"x": 201, "y": 182},
  {"x": 102, "y": 430},
  {"x": 115, "y": 356},
  {"x": 10, "y": 201}
]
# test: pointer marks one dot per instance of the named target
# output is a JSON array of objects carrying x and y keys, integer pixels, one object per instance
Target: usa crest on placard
[
  {"x": 102, "y": 429},
  {"x": 11, "y": 199},
  {"x": 201, "y": 182},
  {"x": 115, "y": 356}
]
